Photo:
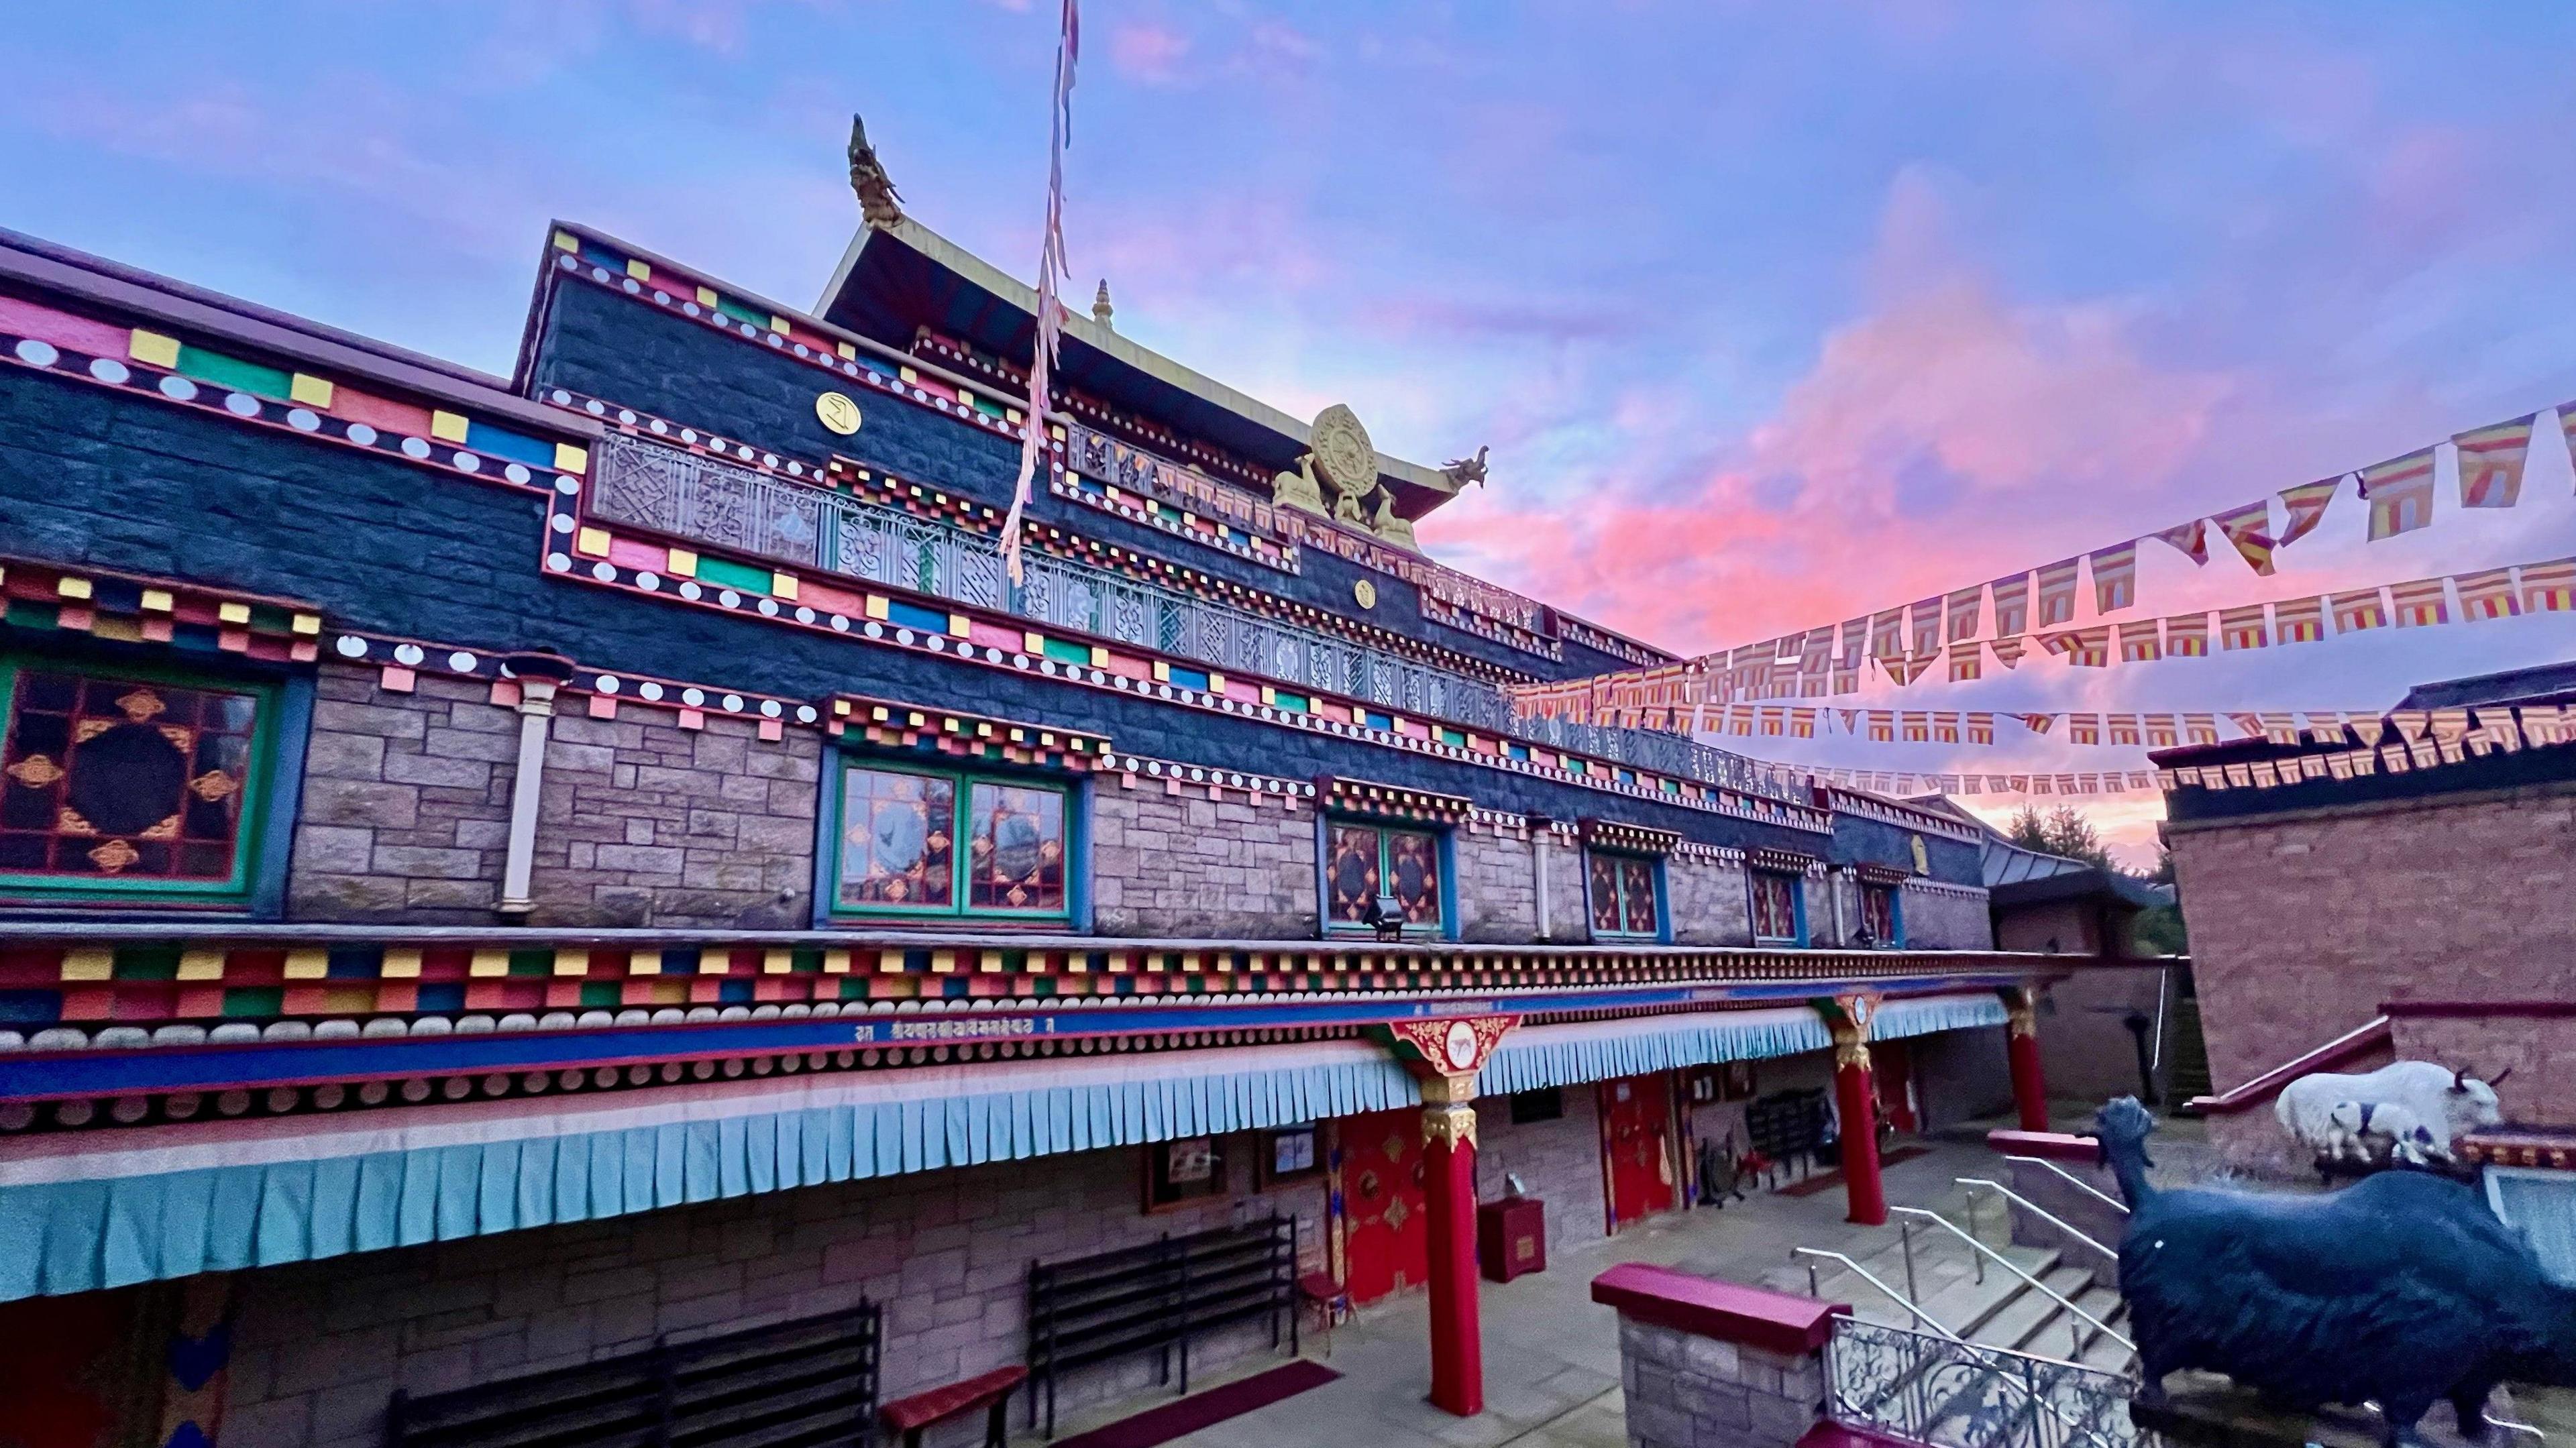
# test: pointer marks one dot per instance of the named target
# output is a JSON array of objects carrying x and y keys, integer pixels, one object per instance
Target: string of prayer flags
[
  {"x": 2244, "y": 628},
  {"x": 2191, "y": 538},
  {"x": 1926, "y": 631},
  {"x": 2420, "y": 604},
  {"x": 2008, "y": 650},
  {"x": 2187, "y": 636},
  {"x": 1887, "y": 634},
  {"x": 2115, "y": 577},
  {"x": 2400, "y": 494},
  {"x": 2057, "y": 593},
  {"x": 2410, "y": 740},
  {"x": 1855, "y": 632},
  {"x": 2139, "y": 644},
  {"x": 2249, "y": 529},
  {"x": 2360, "y": 609},
  {"x": 1962, "y": 608},
  {"x": 2304, "y": 507},
  {"x": 2012, "y": 607},
  {"x": 2491, "y": 463}
]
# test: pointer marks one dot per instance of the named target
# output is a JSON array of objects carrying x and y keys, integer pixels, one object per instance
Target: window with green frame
[
  {"x": 927, "y": 842},
  {"x": 124, "y": 783},
  {"x": 1363, "y": 862},
  {"x": 1626, "y": 895}
]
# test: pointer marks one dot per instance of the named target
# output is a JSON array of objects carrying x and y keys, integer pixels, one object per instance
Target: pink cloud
[{"x": 1148, "y": 52}]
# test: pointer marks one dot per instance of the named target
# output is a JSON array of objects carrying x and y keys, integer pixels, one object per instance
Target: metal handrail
[
  {"x": 2077, "y": 1182},
  {"x": 1983, "y": 1354},
  {"x": 2007, "y": 1264},
  {"x": 2035, "y": 1209}
]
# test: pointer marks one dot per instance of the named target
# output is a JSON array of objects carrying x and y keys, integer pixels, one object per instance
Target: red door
[
  {"x": 69, "y": 1378},
  {"x": 1891, "y": 1065},
  {"x": 1636, "y": 1144},
  {"x": 1389, "y": 1229}
]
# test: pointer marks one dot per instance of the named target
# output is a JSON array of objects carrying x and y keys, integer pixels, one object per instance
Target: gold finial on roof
[
  {"x": 1100, "y": 308},
  {"x": 879, "y": 203}
]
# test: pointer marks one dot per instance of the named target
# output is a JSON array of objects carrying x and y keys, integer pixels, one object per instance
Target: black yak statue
[{"x": 2402, "y": 1290}]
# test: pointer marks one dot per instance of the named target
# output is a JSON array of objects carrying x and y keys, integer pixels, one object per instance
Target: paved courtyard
[{"x": 1551, "y": 1353}]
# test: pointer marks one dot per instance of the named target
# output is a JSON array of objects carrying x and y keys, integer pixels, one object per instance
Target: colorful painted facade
[{"x": 624, "y": 823}]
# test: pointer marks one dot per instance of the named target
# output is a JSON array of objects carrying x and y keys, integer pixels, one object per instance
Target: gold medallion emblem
[
  {"x": 837, "y": 412},
  {"x": 1365, "y": 592}
]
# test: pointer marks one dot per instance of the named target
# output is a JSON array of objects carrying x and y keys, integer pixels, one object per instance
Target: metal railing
[
  {"x": 1940, "y": 1390},
  {"x": 2036, "y": 1210},
  {"x": 2077, "y": 1182},
  {"x": 2000, "y": 1260},
  {"x": 710, "y": 501}
]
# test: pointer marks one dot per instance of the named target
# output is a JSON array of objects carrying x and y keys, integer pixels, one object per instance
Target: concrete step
[
  {"x": 1971, "y": 1308},
  {"x": 2045, "y": 1327}
]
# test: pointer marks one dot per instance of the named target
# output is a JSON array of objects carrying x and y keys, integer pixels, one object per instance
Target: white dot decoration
[
  {"x": 693, "y": 697},
  {"x": 42, "y": 354},
  {"x": 649, "y": 689},
  {"x": 408, "y": 655},
  {"x": 362, "y": 435},
  {"x": 649, "y": 582},
  {"x": 561, "y": 523},
  {"x": 604, "y": 572},
  {"x": 462, "y": 662},
  {"x": 729, "y": 598},
  {"x": 805, "y": 714},
  {"x": 303, "y": 419},
  {"x": 733, "y": 703},
  {"x": 608, "y": 684},
  {"x": 559, "y": 561},
  {"x": 467, "y": 462},
  {"x": 174, "y": 387},
  {"x": 565, "y": 484},
  {"x": 413, "y": 447},
  {"x": 840, "y": 623},
  {"x": 351, "y": 646},
  {"x": 108, "y": 369},
  {"x": 689, "y": 590},
  {"x": 769, "y": 708}
]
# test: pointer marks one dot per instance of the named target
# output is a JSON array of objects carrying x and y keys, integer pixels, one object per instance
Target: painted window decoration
[
  {"x": 1878, "y": 914},
  {"x": 1187, "y": 1170},
  {"x": 1775, "y": 905},
  {"x": 1624, "y": 903},
  {"x": 900, "y": 853},
  {"x": 1365, "y": 862},
  {"x": 124, "y": 783}
]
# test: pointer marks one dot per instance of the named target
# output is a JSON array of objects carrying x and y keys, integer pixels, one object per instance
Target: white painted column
[{"x": 537, "y": 678}]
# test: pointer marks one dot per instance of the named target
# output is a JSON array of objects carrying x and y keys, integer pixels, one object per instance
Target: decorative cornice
[
  {"x": 1638, "y": 839},
  {"x": 1923, "y": 885},
  {"x": 1786, "y": 862},
  {"x": 1391, "y": 801},
  {"x": 139, "y": 608},
  {"x": 886, "y": 722}
]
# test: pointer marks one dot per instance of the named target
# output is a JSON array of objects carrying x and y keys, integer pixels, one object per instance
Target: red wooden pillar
[
  {"x": 1449, "y": 1183},
  {"x": 1856, "y": 1101},
  {"x": 2021, "y": 1041}
]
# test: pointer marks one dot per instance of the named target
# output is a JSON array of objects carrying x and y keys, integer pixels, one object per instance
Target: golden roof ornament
[
  {"x": 1345, "y": 460},
  {"x": 880, "y": 205},
  {"x": 1462, "y": 471},
  {"x": 1101, "y": 311}
]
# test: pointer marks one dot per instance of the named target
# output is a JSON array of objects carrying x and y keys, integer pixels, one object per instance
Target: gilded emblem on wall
[
  {"x": 1345, "y": 460},
  {"x": 837, "y": 412}
]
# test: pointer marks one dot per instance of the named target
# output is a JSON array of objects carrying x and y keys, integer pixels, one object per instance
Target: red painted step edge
[{"x": 1725, "y": 1311}]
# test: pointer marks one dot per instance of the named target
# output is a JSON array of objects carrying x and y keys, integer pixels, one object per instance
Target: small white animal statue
[
  {"x": 2442, "y": 1102},
  {"x": 2377, "y": 1134}
]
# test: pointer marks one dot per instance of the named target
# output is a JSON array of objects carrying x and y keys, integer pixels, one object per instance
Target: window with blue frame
[
  {"x": 925, "y": 843},
  {"x": 1779, "y": 915},
  {"x": 1626, "y": 896},
  {"x": 130, "y": 783},
  {"x": 1365, "y": 862}
]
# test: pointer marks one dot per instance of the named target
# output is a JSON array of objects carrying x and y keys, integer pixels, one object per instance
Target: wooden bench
[
  {"x": 991, "y": 1392},
  {"x": 1158, "y": 1297}
]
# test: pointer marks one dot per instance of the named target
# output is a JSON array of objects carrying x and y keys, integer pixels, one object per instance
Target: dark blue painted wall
[
  {"x": 620, "y": 349},
  {"x": 1862, "y": 840},
  {"x": 117, "y": 481}
]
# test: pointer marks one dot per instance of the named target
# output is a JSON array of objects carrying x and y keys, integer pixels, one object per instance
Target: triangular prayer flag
[
  {"x": 2304, "y": 507},
  {"x": 1882, "y": 726},
  {"x": 2200, "y": 728},
  {"x": 2400, "y": 492},
  {"x": 2092, "y": 647},
  {"x": 2187, "y": 636},
  {"x": 2009, "y": 649},
  {"x": 2012, "y": 605},
  {"x": 2057, "y": 592},
  {"x": 1855, "y": 632},
  {"x": 2139, "y": 644},
  {"x": 2123, "y": 727},
  {"x": 1887, "y": 634},
  {"x": 2160, "y": 730},
  {"x": 1802, "y": 723},
  {"x": 2115, "y": 577},
  {"x": 2488, "y": 594},
  {"x": 1966, "y": 662},
  {"x": 2420, "y": 604},
  {"x": 1981, "y": 728},
  {"x": 2281, "y": 728},
  {"x": 2192, "y": 539},
  {"x": 1917, "y": 727},
  {"x": 2083, "y": 728},
  {"x": 2251, "y": 724},
  {"x": 2037, "y": 723},
  {"x": 1926, "y": 631},
  {"x": 2491, "y": 463},
  {"x": 2249, "y": 529}
]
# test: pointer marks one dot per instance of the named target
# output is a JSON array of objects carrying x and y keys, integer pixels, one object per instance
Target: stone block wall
[
  {"x": 645, "y": 823},
  {"x": 1498, "y": 884},
  {"x": 2539, "y": 1049},
  {"x": 1177, "y": 865},
  {"x": 406, "y": 803},
  {"x": 2302, "y": 926},
  {"x": 1685, "y": 1390},
  {"x": 1709, "y": 900},
  {"x": 1944, "y": 917},
  {"x": 321, "y": 1347},
  {"x": 1559, "y": 1160}
]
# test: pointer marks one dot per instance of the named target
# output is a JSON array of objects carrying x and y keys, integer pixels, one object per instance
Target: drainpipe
[
  {"x": 538, "y": 676},
  {"x": 1834, "y": 880},
  {"x": 1542, "y": 837}
]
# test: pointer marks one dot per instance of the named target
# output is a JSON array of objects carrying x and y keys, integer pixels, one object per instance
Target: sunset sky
[{"x": 1772, "y": 314}]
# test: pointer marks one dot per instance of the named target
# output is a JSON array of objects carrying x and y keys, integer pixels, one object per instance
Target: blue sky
[{"x": 1771, "y": 313}]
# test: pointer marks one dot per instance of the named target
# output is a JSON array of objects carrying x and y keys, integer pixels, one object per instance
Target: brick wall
[
  {"x": 2301, "y": 927},
  {"x": 1167, "y": 864},
  {"x": 2058, "y": 927},
  {"x": 406, "y": 802},
  {"x": 1708, "y": 901},
  {"x": 645, "y": 823},
  {"x": 2540, "y": 1051},
  {"x": 320, "y": 1347}
]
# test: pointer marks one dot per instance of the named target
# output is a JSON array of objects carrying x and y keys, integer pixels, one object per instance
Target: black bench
[
  {"x": 1156, "y": 1298},
  {"x": 811, "y": 1383},
  {"x": 1789, "y": 1126}
]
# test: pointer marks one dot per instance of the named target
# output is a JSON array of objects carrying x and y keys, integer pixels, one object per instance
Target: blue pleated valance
[
  {"x": 1562, "y": 1055},
  {"x": 1923, "y": 1015}
]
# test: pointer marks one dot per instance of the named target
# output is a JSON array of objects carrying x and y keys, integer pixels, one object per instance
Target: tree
[{"x": 2062, "y": 831}]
